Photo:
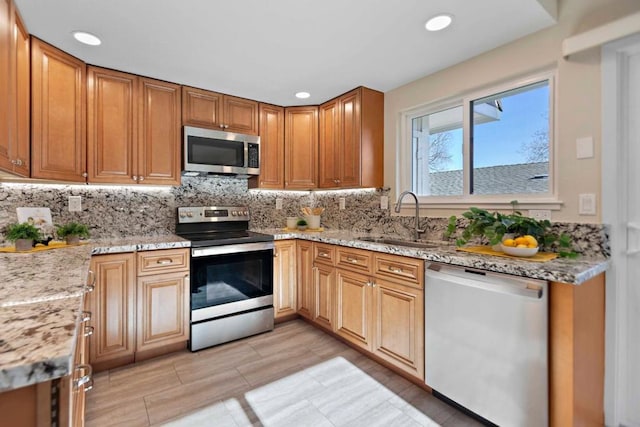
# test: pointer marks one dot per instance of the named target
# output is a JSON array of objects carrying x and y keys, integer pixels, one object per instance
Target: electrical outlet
[
  {"x": 75, "y": 203},
  {"x": 384, "y": 202},
  {"x": 540, "y": 214},
  {"x": 279, "y": 204},
  {"x": 342, "y": 201}
]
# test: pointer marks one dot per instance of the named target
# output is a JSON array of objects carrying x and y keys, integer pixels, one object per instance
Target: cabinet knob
[
  {"x": 88, "y": 331},
  {"x": 275, "y": 254},
  {"x": 85, "y": 317},
  {"x": 135, "y": 178},
  {"x": 18, "y": 162},
  {"x": 84, "y": 174},
  {"x": 221, "y": 126},
  {"x": 13, "y": 162},
  {"x": 141, "y": 178},
  {"x": 226, "y": 126}
]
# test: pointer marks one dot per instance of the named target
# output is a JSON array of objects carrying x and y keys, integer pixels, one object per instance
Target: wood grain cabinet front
[
  {"x": 284, "y": 279},
  {"x": 271, "y": 148},
  {"x": 58, "y": 128},
  {"x": 203, "y": 108},
  {"x": 351, "y": 140},
  {"x": 304, "y": 264},
  {"x": 301, "y": 148},
  {"x": 15, "y": 92},
  {"x": 133, "y": 129}
]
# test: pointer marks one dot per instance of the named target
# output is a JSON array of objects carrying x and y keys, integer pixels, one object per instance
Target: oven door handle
[{"x": 231, "y": 249}]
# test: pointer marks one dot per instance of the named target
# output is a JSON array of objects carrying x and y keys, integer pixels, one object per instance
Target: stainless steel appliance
[
  {"x": 231, "y": 275},
  {"x": 486, "y": 343},
  {"x": 218, "y": 152}
]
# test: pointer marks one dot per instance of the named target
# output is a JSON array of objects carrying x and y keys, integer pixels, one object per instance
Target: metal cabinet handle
[
  {"x": 323, "y": 254},
  {"x": 164, "y": 261},
  {"x": 352, "y": 260},
  {"x": 395, "y": 269},
  {"x": 226, "y": 126},
  {"x": 275, "y": 254},
  {"x": 13, "y": 162},
  {"x": 86, "y": 379},
  {"x": 92, "y": 275},
  {"x": 90, "y": 288},
  {"x": 134, "y": 177},
  {"x": 85, "y": 316},
  {"x": 85, "y": 175},
  {"x": 88, "y": 331},
  {"x": 221, "y": 126},
  {"x": 141, "y": 178}
]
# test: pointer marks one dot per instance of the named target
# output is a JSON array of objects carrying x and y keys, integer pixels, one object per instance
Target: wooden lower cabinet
[
  {"x": 163, "y": 310},
  {"x": 304, "y": 263},
  {"x": 353, "y": 299},
  {"x": 138, "y": 316},
  {"x": 324, "y": 295},
  {"x": 284, "y": 278},
  {"x": 112, "y": 304}
]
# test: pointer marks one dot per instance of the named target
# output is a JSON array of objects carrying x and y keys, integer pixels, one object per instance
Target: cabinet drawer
[
  {"x": 163, "y": 261},
  {"x": 324, "y": 254},
  {"x": 409, "y": 271},
  {"x": 355, "y": 259}
]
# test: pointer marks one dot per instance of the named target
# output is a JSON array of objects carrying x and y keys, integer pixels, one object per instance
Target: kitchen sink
[{"x": 399, "y": 242}]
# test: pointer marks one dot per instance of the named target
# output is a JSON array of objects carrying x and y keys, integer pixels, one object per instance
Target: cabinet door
[
  {"x": 240, "y": 115},
  {"x": 21, "y": 137},
  {"x": 201, "y": 108},
  {"x": 112, "y": 131},
  {"x": 113, "y": 311},
  {"x": 58, "y": 137},
  {"x": 301, "y": 148},
  {"x": 399, "y": 326},
  {"x": 324, "y": 295},
  {"x": 5, "y": 85},
  {"x": 371, "y": 138},
  {"x": 328, "y": 146},
  {"x": 271, "y": 147},
  {"x": 304, "y": 264},
  {"x": 159, "y": 133},
  {"x": 284, "y": 278},
  {"x": 354, "y": 316},
  {"x": 349, "y": 155},
  {"x": 163, "y": 310}
]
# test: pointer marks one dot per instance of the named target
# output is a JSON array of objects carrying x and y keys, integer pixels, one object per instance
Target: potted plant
[
  {"x": 23, "y": 234},
  {"x": 493, "y": 227},
  {"x": 302, "y": 224},
  {"x": 72, "y": 232}
]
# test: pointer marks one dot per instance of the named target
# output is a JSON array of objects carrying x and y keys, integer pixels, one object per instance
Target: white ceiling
[{"x": 269, "y": 49}]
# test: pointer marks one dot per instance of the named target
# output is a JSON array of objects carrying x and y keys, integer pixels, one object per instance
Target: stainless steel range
[{"x": 231, "y": 274}]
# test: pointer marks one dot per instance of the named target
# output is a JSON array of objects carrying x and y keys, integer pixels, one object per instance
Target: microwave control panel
[{"x": 254, "y": 155}]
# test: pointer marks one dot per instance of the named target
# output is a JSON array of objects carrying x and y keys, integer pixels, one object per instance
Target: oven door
[{"x": 230, "y": 279}]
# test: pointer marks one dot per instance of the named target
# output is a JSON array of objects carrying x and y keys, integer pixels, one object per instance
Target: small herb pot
[
  {"x": 302, "y": 227},
  {"x": 72, "y": 240},
  {"x": 24, "y": 245}
]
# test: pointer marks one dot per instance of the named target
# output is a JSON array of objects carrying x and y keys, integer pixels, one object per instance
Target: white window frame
[{"x": 404, "y": 148}]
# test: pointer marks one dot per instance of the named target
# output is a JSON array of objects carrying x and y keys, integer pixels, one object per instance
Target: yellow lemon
[
  {"x": 509, "y": 242},
  {"x": 521, "y": 241},
  {"x": 531, "y": 241},
  {"x": 521, "y": 246},
  {"x": 532, "y": 245}
]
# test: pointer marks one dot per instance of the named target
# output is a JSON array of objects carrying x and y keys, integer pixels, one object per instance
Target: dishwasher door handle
[{"x": 523, "y": 289}]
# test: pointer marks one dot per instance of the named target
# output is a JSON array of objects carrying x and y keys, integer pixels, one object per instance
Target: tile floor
[{"x": 294, "y": 376}]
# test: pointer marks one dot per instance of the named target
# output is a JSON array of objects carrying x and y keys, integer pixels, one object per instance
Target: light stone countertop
[
  {"x": 41, "y": 297},
  {"x": 565, "y": 270}
]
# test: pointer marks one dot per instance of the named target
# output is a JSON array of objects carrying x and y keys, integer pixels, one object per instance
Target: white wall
[{"x": 578, "y": 95}]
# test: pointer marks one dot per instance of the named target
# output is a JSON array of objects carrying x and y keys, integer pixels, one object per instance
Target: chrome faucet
[{"x": 416, "y": 231}]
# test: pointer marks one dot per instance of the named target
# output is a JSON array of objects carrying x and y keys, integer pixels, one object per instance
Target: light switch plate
[
  {"x": 75, "y": 203},
  {"x": 342, "y": 203},
  {"x": 584, "y": 147},
  {"x": 384, "y": 202},
  {"x": 587, "y": 204},
  {"x": 279, "y": 204}
]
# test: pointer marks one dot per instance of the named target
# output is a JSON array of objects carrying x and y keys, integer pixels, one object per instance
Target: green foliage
[
  {"x": 301, "y": 222},
  {"x": 72, "y": 229},
  {"x": 22, "y": 230},
  {"x": 492, "y": 226}
]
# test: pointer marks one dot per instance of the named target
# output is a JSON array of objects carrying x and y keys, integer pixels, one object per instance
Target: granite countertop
[
  {"x": 40, "y": 303},
  {"x": 572, "y": 271}
]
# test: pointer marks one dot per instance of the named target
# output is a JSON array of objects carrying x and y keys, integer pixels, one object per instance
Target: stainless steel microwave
[{"x": 218, "y": 152}]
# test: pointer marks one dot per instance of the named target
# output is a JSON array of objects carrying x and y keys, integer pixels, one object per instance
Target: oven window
[
  {"x": 222, "y": 279},
  {"x": 210, "y": 151}
]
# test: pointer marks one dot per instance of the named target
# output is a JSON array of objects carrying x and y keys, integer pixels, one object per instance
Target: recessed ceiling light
[
  {"x": 87, "y": 38},
  {"x": 439, "y": 22},
  {"x": 303, "y": 95}
]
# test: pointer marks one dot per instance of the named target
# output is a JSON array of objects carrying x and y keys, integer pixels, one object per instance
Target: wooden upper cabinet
[
  {"x": 133, "y": 129},
  {"x": 271, "y": 148},
  {"x": 112, "y": 126},
  {"x": 159, "y": 133},
  {"x": 301, "y": 148},
  {"x": 14, "y": 91},
  {"x": 58, "y": 137},
  {"x": 351, "y": 140},
  {"x": 203, "y": 108}
]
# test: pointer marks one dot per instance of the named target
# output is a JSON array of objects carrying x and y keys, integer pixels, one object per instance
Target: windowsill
[{"x": 408, "y": 208}]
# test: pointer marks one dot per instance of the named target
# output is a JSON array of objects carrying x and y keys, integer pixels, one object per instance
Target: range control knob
[
  {"x": 182, "y": 214},
  {"x": 246, "y": 213},
  {"x": 234, "y": 213}
]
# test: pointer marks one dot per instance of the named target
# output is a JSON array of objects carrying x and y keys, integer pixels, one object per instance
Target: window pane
[
  {"x": 510, "y": 141},
  {"x": 437, "y": 153}
]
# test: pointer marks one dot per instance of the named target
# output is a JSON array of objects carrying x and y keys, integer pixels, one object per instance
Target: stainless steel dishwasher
[{"x": 486, "y": 343}]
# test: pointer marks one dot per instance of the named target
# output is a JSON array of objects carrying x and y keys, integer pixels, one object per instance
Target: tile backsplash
[{"x": 118, "y": 211}]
